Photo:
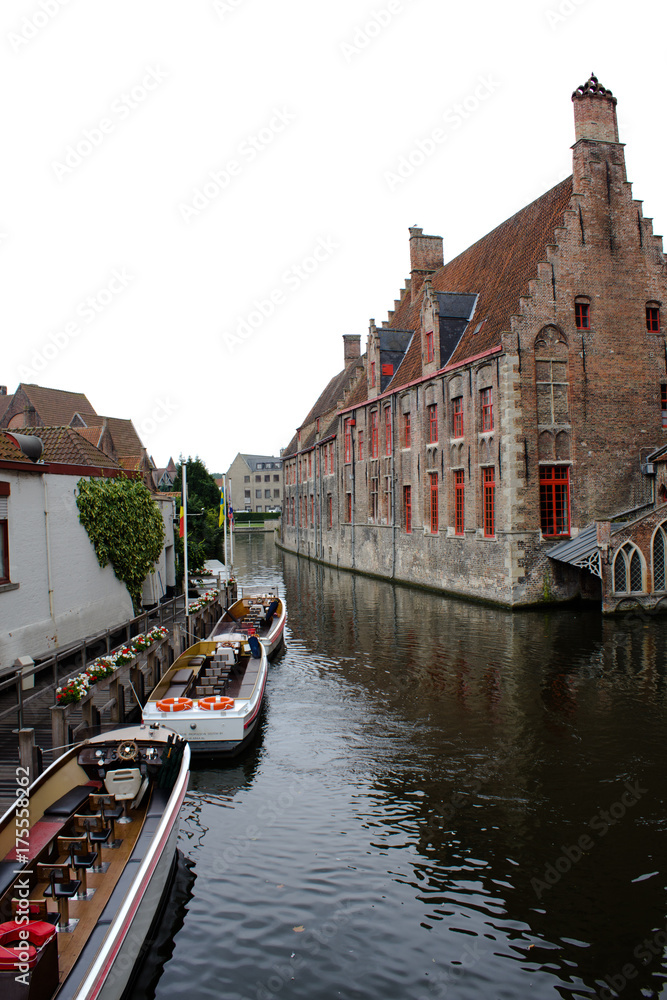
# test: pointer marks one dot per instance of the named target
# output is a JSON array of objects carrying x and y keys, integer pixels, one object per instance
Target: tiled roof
[
  {"x": 92, "y": 434},
  {"x": 10, "y": 453},
  {"x": 4, "y": 404},
  {"x": 66, "y": 446},
  {"x": 126, "y": 441},
  {"x": 56, "y": 407},
  {"x": 497, "y": 268},
  {"x": 333, "y": 393}
]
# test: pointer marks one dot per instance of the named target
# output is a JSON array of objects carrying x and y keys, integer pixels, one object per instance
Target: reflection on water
[{"x": 445, "y": 800}]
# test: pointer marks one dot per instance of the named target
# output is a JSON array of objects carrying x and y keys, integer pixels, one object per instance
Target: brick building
[{"x": 502, "y": 435}]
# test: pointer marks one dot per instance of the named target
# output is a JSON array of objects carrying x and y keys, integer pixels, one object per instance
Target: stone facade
[
  {"x": 511, "y": 399},
  {"x": 255, "y": 482}
]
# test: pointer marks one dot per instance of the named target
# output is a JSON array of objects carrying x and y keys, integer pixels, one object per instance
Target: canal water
[{"x": 445, "y": 801}]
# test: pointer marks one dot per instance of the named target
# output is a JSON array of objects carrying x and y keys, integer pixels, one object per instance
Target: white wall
[
  {"x": 155, "y": 584},
  {"x": 85, "y": 598}
]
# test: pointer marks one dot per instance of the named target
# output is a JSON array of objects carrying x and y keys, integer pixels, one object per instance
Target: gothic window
[
  {"x": 551, "y": 377},
  {"x": 628, "y": 570},
  {"x": 659, "y": 552}
]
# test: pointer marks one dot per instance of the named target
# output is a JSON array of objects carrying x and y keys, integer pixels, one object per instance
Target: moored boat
[
  {"x": 212, "y": 694},
  {"x": 87, "y": 853},
  {"x": 255, "y": 613}
]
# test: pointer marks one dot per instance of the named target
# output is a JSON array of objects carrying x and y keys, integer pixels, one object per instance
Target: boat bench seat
[
  {"x": 175, "y": 691},
  {"x": 70, "y": 802},
  {"x": 8, "y": 872},
  {"x": 184, "y": 675}
]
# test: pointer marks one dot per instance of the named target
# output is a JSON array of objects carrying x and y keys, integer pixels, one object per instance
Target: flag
[
  {"x": 230, "y": 514},
  {"x": 181, "y": 523},
  {"x": 221, "y": 515}
]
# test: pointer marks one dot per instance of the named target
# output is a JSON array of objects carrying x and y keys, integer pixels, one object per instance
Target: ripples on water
[{"x": 424, "y": 769}]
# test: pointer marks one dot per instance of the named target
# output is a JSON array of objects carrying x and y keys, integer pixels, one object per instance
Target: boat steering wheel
[{"x": 128, "y": 750}]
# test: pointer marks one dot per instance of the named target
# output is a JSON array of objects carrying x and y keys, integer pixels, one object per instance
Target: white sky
[{"x": 314, "y": 105}]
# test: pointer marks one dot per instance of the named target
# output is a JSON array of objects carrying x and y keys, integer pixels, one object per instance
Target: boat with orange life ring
[
  {"x": 257, "y": 612},
  {"x": 174, "y": 704},
  {"x": 213, "y": 694}
]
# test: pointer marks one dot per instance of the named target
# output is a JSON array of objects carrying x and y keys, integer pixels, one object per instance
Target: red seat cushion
[
  {"x": 39, "y": 932},
  {"x": 9, "y": 959}
]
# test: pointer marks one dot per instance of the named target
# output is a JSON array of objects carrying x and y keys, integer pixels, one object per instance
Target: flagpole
[
  {"x": 224, "y": 518},
  {"x": 185, "y": 550},
  {"x": 230, "y": 498}
]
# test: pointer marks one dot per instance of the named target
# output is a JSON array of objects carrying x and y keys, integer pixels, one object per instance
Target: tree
[{"x": 204, "y": 536}]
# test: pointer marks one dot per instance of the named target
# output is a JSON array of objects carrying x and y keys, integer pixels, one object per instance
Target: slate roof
[
  {"x": 252, "y": 460},
  {"x": 66, "y": 446},
  {"x": 497, "y": 268}
]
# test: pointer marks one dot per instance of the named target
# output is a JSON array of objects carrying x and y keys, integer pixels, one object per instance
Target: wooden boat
[
  {"x": 88, "y": 852},
  {"x": 212, "y": 695},
  {"x": 261, "y": 614}
]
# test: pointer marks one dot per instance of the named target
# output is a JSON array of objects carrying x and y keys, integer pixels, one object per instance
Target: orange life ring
[
  {"x": 174, "y": 705},
  {"x": 215, "y": 703}
]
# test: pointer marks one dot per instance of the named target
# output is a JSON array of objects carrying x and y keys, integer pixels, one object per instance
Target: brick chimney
[
  {"x": 352, "y": 344},
  {"x": 598, "y": 157},
  {"x": 425, "y": 258},
  {"x": 594, "y": 112},
  {"x": 3, "y": 390}
]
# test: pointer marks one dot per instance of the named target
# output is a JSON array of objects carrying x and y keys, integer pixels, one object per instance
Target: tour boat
[
  {"x": 88, "y": 852},
  {"x": 212, "y": 694},
  {"x": 261, "y": 614}
]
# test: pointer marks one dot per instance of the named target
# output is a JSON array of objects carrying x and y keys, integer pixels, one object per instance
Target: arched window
[
  {"x": 659, "y": 552},
  {"x": 628, "y": 570}
]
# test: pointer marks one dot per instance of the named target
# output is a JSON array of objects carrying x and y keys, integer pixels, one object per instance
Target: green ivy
[{"x": 125, "y": 527}]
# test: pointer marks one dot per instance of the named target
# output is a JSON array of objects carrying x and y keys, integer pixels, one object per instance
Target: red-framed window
[
  {"x": 348, "y": 441},
  {"x": 555, "y": 501},
  {"x": 407, "y": 431},
  {"x": 459, "y": 502},
  {"x": 457, "y": 417},
  {"x": 293, "y": 511},
  {"x": 432, "y": 415},
  {"x": 663, "y": 404},
  {"x": 348, "y": 508},
  {"x": 407, "y": 508},
  {"x": 433, "y": 491},
  {"x": 387, "y": 430},
  {"x": 324, "y": 460},
  {"x": 429, "y": 346},
  {"x": 486, "y": 403},
  {"x": 329, "y": 511},
  {"x": 310, "y": 464},
  {"x": 387, "y": 371},
  {"x": 489, "y": 501},
  {"x": 653, "y": 319},
  {"x": 387, "y": 498},
  {"x": 582, "y": 315},
  {"x": 372, "y": 373},
  {"x": 360, "y": 444},
  {"x": 374, "y": 434},
  {"x": 312, "y": 510}
]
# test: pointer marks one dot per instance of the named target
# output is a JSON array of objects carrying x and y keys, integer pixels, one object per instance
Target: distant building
[
  {"x": 502, "y": 436},
  {"x": 257, "y": 482}
]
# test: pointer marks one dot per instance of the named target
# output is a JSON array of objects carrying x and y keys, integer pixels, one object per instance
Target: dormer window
[
  {"x": 429, "y": 346},
  {"x": 582, "y": 315},
  {"x": 653, "y": 317}
]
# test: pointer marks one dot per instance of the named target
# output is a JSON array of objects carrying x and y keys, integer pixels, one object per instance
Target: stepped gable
[
  {"x": 66, "y": 446},
  {"x": 497, "y": 268}
]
